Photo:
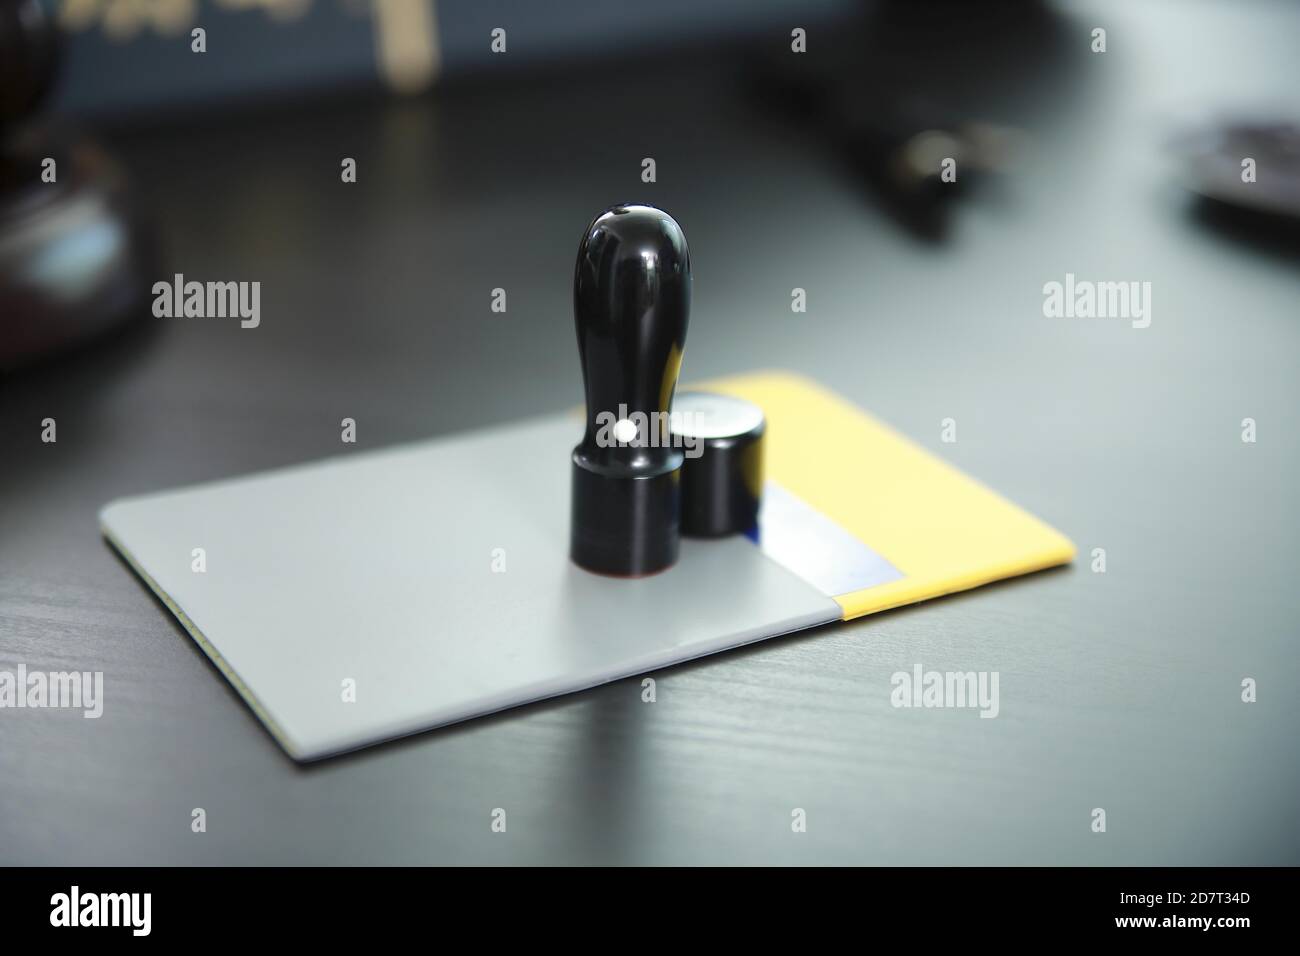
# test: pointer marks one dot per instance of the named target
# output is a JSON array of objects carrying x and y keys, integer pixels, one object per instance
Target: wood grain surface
[{"x": 1119, "y": 690}]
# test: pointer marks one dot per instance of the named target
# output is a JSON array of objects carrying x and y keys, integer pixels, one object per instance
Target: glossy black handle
[{"x": 631, "y": 303}]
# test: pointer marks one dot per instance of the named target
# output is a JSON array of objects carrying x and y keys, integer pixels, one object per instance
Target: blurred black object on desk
[
  {"x": 1222, "y": 162},
  {"x": 74, "y": 260},
  {"x": 899, "y": 88},
  {"x": 1245, "y": 176}
]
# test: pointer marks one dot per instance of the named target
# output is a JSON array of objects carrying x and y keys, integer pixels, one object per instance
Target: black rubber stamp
[{"x": 631, "y": 303}]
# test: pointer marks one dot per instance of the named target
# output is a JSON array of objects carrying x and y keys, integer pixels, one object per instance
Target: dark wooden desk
[{"x": 1118, "y": 690}]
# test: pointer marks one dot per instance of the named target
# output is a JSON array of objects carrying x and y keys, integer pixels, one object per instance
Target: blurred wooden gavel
[{"x": 73, "y": 258}]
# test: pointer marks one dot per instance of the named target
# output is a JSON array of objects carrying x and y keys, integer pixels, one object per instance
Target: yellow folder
[{"x": 943, "y": 530}]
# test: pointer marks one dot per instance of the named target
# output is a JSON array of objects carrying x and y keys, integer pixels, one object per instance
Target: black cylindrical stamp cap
[
  {"x": 631, "y": 302},
  {"x": 721, "y": 438}
]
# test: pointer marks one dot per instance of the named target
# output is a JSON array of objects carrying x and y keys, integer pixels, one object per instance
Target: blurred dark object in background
[
  {"x": 29, "y": 57},
  {"x": 133, "y": 57},
  {"x": 1245, "y": 177},
  {"x": 903, "y": 86},
  {"x": 1251, "y": 166},
  {"x": 72, "y": 252}
]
